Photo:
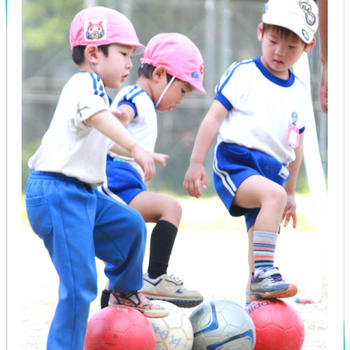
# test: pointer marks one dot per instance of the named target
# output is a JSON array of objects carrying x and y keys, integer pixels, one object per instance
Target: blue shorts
[
  {"x": 122, "y": 180},
  {"x": 233, "y": 164}
]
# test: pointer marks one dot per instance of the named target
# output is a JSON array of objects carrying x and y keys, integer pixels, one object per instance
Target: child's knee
[
  {"x": 172, "y": 209},
  {"x": 278, "y": 196}
]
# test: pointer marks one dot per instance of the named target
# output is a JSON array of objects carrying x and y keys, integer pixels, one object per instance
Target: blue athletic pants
[{"x": 77, "y": 223}]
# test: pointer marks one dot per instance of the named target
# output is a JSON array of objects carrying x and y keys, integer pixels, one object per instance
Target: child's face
[
  {"x": 114, "y": 68},
  {"x": 279, "y": 53},
  {"x": 174, "y": 95}
]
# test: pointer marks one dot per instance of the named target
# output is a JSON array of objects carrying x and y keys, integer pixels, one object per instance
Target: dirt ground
[{"x": 214, "y": 263}]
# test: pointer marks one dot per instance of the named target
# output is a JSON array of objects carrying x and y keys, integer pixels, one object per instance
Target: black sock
[
  {"x": 105, "y": 298},
  {"x": 161, "y": 245}
]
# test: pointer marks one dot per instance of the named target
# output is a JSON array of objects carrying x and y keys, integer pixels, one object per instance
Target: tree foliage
[{"x": 47, "y": 23}]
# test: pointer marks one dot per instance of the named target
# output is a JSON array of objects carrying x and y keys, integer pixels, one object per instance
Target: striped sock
[{"x": 264, "y": 245}]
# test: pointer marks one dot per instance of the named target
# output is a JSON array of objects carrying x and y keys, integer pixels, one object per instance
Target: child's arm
[
  {"x": 290, "y": 185},
  {"x": 125, "y": 115},
  {"x": 110, "y": 126},
  {"x": 195, "y": 176}
]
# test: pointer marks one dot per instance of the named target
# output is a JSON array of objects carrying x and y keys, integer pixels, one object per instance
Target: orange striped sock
[{"x": 264, "y": 245}]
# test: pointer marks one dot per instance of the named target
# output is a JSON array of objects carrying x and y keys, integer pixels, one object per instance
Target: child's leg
[
  {"x": 61, "y": 214},
  {"x": 260, "y": 192},
  {"x": 120, "y": 236},
  {"x": 166, "y": 213}
]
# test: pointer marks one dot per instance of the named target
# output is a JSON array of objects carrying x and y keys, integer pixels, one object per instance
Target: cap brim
[
  {"x": 199, "y": 88},
  {"x": 139, "y": 50},
  {"x": 293, "y": 26}
]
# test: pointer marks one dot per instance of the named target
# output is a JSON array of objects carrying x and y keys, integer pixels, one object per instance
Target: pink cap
[
  {"x": 178, "y": 55},
  {"x": 100, "y": 25}
]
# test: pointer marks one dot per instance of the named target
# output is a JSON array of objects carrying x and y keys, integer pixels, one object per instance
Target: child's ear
[
  {"x": 260, "y": 31},
  {"x": 91, "y": 53},
  {"x": 310, "y": 46},
  {"x": 158, "y": 73}
]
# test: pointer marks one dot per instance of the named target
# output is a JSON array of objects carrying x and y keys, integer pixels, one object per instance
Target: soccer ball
[
  {"x": 173, "y": 332},
  {"x": 119, "y": 327},
  {"x": 222, "y": 324},
  {"x": 278, "y": 326}
]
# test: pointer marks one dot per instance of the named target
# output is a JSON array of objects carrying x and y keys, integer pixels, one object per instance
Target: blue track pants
[{"x": 77, "y": 223}]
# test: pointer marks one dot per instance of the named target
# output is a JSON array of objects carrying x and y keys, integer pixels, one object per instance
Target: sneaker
[
  {"x": 140, "y": 303},
  {"x": 268, "y": 284},
  {"x": 170, "y": 288}
]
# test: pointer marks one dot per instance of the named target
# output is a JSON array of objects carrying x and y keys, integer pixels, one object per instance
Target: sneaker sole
[
  {"x": 290, "y": 292},
  {"x": 153, "y": 313},
  {"x": 185, "y": 303}
]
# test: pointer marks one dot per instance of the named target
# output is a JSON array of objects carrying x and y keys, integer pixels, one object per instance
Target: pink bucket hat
[
  {"x": 100, "y": 25},
  {"x": 178, "y": 55}
]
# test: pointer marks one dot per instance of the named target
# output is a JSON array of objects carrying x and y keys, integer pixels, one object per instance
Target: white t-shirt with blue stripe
[
  {"x": 143, "y": 127},
  {"x": 70, "y": 146},
  {"x": 261, "y": 108}
]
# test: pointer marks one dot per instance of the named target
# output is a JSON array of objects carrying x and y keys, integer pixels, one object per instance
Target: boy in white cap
[
  {"x": 171, "y": 67},
  {"x": 259, "y": 113},
  {"x": 64, "y": 207}
]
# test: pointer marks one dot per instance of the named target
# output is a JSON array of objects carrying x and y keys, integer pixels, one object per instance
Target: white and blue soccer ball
[
  {"x": 222, "y": 325},
  {"x": 173, "y": 332}
]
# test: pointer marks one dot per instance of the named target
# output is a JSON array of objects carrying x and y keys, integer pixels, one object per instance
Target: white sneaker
[
  {"x": 269, "y": 284},
  {"x": 170, "y": 288}
]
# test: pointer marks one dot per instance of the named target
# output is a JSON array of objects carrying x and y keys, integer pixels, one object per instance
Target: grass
[{"x": 206, "y": 214}]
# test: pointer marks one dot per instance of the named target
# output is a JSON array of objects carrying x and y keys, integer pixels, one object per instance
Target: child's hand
[
  {"x": 123, "y": 115},
  {"x": 195, "y": 178},
  {"x": 147, "y": 159},
  {"x": 290, "y": 211}
]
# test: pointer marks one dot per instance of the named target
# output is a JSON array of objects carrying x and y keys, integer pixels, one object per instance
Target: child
[
  {"x": 65, "y": 209},
  {"x": 259, "y": 112},
  {"x": 172, "y": 66}
]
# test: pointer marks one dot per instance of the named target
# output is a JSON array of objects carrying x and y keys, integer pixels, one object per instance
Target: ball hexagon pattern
[{"x": 173, "y": 332}]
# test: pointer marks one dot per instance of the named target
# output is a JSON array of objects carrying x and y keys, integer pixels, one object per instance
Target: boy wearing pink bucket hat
[
  {"x": 172, "y": 66},
  {"x": 75, "y": 220},
  {"x": 259, "y": 114}
]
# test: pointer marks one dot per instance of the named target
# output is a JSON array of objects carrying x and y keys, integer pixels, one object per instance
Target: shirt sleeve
[
  {"x": 232, "y": 86},
  {"x": 90, "y": 105},
  {"x": 92, "y": 98}
]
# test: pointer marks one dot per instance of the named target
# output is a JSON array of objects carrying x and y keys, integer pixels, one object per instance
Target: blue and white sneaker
[
  {"x": 268, "y": 284},
  {"x": 170, "y": 288}
]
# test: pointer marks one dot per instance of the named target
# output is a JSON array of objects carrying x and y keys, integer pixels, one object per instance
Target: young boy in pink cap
[
  {"x": 172, "y": 66},
  {"x": 75, "y": 220},
  {"x": 259, "y": 112}
]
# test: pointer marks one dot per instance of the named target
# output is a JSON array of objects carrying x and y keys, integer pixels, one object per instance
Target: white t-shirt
[
  {"x": 143, "y": 127},
  {"x": 70, "y": 146},
  {"x": 261, "y": 108}
]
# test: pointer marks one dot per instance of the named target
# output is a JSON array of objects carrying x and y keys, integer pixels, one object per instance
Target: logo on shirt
[{"x": 95, "y": 30}]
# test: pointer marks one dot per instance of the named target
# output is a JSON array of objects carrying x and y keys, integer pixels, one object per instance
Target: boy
[
  {"x": 172, "y": 66},
  {"x": 259, "y": 112},
  {"x": 75, "y": 220}
]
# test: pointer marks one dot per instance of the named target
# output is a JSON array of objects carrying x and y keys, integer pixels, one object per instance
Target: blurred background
[{"x": 224, "y": 31}]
